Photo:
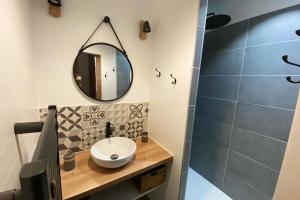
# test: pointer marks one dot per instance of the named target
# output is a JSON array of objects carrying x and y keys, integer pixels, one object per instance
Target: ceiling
[{"x": 240, "y": 10}]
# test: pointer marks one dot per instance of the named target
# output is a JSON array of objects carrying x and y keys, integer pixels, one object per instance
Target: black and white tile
[
  {"x": 82, "y": 126},
  {"x": 92, "y": 135},
  {"x": 70, "y": 140},
  {"x": 69, "y": 118},
  {"x": 93, "y": 115}
]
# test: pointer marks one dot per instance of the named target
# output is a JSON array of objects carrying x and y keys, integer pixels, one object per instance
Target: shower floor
[{"x": 198, "y": 188}]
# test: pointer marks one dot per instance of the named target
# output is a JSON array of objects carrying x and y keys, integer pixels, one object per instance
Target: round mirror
[{"x": 103, "y": 72}]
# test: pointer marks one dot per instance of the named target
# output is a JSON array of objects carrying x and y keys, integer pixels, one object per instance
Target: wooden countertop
[{"x": 88, "y": 178}]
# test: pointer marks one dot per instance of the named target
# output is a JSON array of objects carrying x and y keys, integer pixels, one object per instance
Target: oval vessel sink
[{"x": 113, "y": 152}]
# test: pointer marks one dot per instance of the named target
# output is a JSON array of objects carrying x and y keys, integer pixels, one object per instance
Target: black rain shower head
[{"x": 214, "y": 21}]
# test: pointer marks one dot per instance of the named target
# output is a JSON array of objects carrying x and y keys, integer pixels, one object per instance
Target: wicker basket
[{"x": 151, "y": 179}]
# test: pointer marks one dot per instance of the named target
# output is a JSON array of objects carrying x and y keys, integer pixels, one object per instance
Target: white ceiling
[{"x": 240, "y": 10}]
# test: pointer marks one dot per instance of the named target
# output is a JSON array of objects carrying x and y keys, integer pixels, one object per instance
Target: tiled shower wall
[
  {"x": 123, "y": 74},
  {"x": 245, "y": 106},
  {"x": 82, "y": 126}
]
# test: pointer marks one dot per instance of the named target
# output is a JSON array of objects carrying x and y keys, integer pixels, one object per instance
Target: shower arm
[{"x": 211, "y": 14}]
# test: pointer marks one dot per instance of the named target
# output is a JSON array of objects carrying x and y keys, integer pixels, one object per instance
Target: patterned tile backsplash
[{"x": 82, "y": 126}]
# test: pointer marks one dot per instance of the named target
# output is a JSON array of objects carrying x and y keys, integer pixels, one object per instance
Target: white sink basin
[{"x": 113, "y": 152}]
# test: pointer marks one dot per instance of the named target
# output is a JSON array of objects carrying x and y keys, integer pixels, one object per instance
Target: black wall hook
[
  {"x": 289, "y": 79},
  {"x": 298, "y": 32},
  {"x": 285, "y": 58},
  {"x": 174, "y": 81},
  {"x": 158, "y": 73}
]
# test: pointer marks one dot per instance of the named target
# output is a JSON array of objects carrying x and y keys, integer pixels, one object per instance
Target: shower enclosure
[{"x": 242, "y": 103}]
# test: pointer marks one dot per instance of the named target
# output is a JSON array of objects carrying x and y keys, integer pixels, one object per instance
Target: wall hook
[
  {"x": 174, "y": 81},
  {"x": 158, "y": 73},
  {"x": 54, "y": 7},
  {"x": 114, "y": 69},
  {"x": 285, "y": 58},
  {"x": 289, "y": 79},
  {"x": 298, "y": 32},
  {"x": 105, "y": 75}
]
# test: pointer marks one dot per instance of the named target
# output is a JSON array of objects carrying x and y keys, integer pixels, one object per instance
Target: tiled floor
[{"x": 198, "y": 188}]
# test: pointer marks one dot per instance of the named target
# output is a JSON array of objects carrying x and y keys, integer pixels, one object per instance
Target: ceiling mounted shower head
[{"x": 214, "y": 21}]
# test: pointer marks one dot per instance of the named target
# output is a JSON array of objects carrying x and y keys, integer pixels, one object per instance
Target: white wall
[
  {"x": 240, "y": 10},
  {"x": 56, "y": 42},
  {"x": 17, "y": 91},
  {"x": 174, "y": 35}
]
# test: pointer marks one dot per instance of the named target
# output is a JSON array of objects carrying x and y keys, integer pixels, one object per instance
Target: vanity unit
[{"x": 89, "y": 179}]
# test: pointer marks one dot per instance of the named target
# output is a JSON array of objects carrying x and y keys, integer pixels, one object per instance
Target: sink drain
[{"x": 114, "y": 156}]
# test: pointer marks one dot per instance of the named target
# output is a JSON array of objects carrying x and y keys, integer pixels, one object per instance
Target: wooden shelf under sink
[
  {"x": 88, "y": 178},
  {"x": 125, "y": 190}
]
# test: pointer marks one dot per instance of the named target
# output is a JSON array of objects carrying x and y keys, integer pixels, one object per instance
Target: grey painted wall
[{"x": 245, "y": 106}]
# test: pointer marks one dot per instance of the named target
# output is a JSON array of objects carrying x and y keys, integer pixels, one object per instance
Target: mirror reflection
[{"x": 103, "y": 72}]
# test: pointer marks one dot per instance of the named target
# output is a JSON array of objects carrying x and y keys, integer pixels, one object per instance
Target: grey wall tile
[
  {"x": 224, "y": 87},
  {"x": 121, "y": 92},
  {"x": 209, "y": 152},
  {"x": 239, "y": 190},
  {"x": 268, "y": 90},
  {"x": 202, "y": 13},
  {"x": 274, "y": 27},
  {"x": 272, "y": 122},
  {"x": 267, "y": 59},
  {"x": 249, "y": 177},
  {"x": 199, "y": 45},
  {"x": 208, "y": 159},
  {"x": 123, "y": 81},
  {"x": 196, "y": 122},
  {"x": 252, "y": 173},
  {"x": 222, "y": 63},
  {"x": 216, "y": 131},
  {"x": 122, "y": 65},
  {"x": 220, "y": 110},
  {"x": 229, "y": 37},
  {"x": 213, "y": 175},
  {"x": 194, "y": 86},
  {"x": 265, "y": 150}
]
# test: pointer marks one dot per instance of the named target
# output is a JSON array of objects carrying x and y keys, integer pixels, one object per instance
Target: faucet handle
[{"x": 109, "y": 125}]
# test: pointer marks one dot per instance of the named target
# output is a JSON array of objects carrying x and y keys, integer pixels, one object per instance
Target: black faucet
[{"x": 108, "y": 130}]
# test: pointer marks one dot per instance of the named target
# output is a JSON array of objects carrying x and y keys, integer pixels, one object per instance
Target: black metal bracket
[
  {"x": 55, "y": 2},
  {"x": 210, "y": 14},
  {"x": 285, "y": 58},
  {"x": 174, "y": 79},
  {"x": 158, "y": 73},
  {"x": 107, "y": 21}
]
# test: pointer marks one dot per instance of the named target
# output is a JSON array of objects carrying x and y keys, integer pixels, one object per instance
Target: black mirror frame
[{"x": 107, "y": 44}]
